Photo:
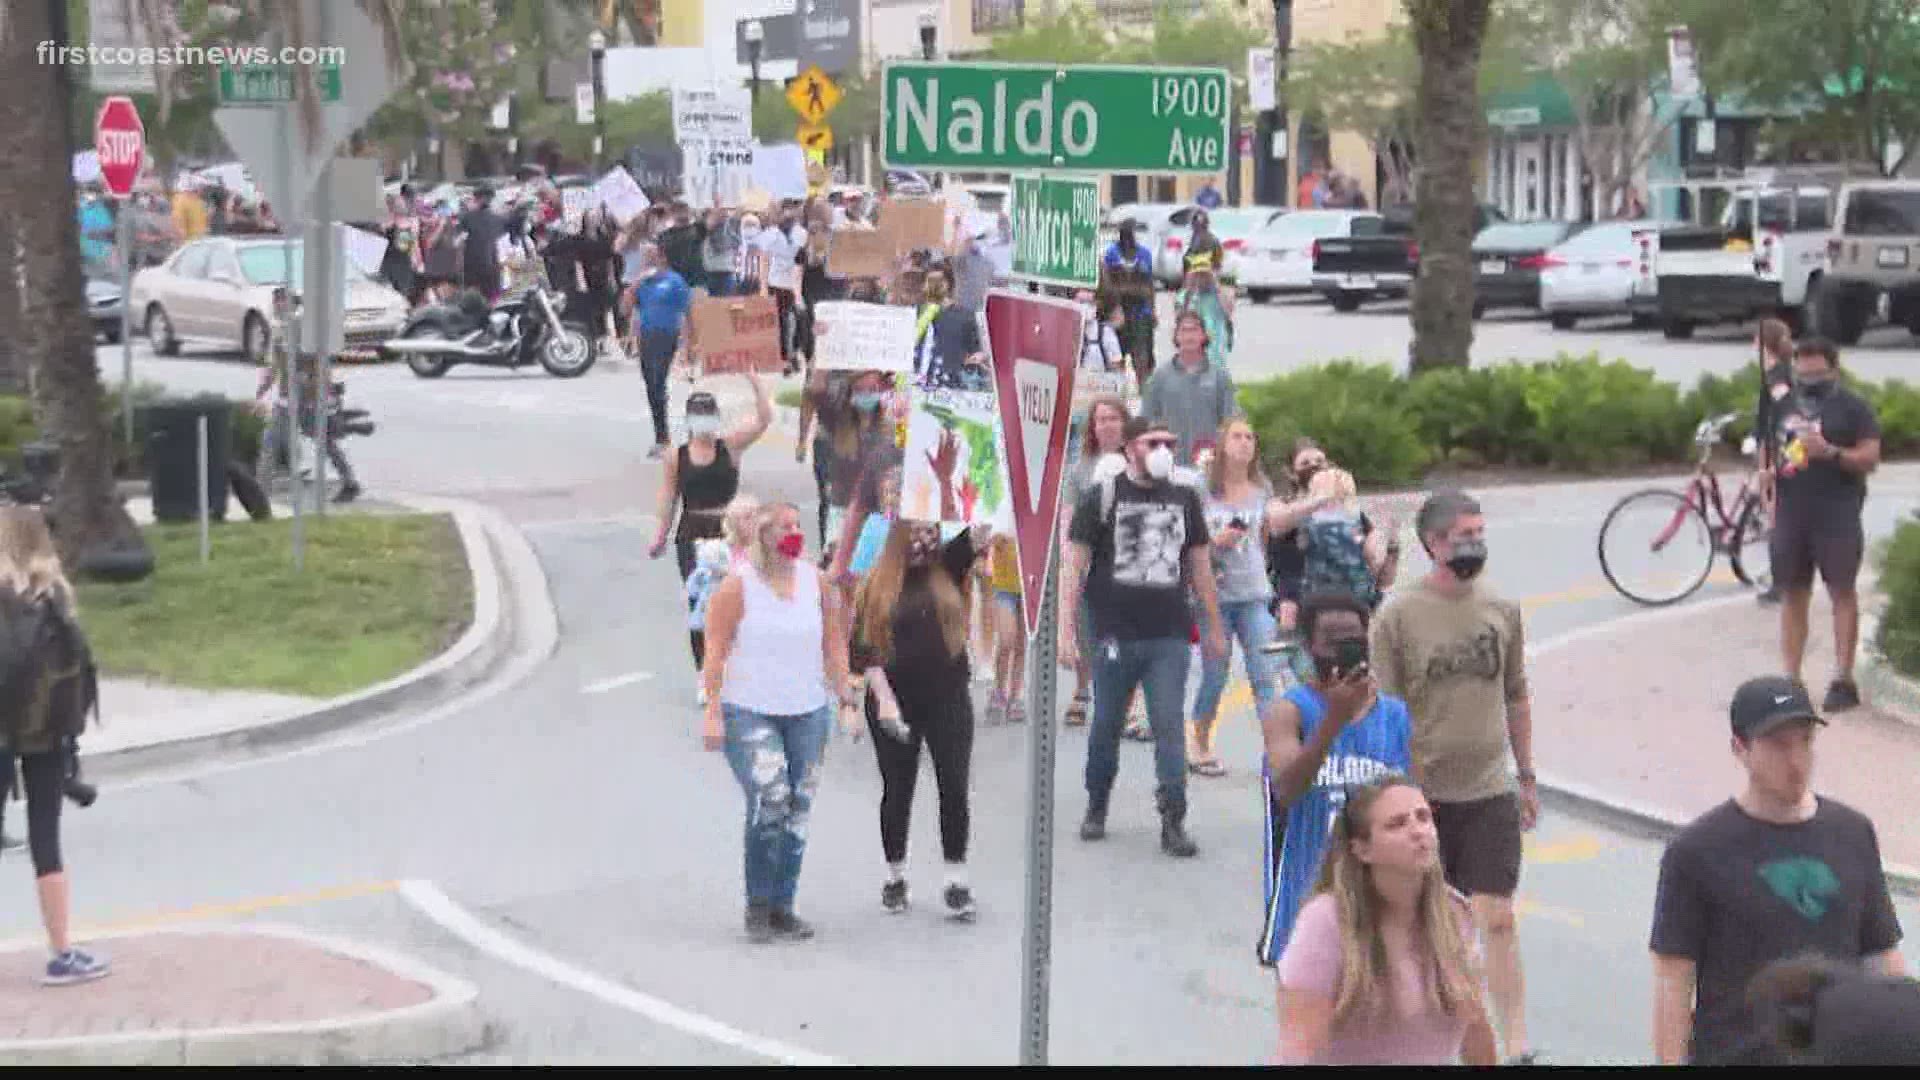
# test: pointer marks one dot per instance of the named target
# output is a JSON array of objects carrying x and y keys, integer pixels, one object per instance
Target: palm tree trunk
[
  {"x": 92, "y": 528},
  {"x": 1449, "y": 131}
]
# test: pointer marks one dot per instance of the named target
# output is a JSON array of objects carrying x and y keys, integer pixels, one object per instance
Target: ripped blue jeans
[{"x": 776, "y": 759}]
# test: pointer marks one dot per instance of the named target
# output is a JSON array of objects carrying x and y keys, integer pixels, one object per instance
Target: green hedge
[
  {"x": 1899, "y": 636},
  {"x": 1575, "y": 413},
  {"x": 17, "y": 428}
]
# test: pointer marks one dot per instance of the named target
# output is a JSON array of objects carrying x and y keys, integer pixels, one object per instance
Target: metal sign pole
[
  {"x": 328, "y": 288},
  {"x": 292, "y": 370},
  {"x": 1036, "y": 948},
  {"x": 126, "y": 324},
  {"x": 200, "y": 459}
]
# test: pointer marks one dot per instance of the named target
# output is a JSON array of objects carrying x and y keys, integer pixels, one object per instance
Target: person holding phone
[{"x": 1323, "y": 737}]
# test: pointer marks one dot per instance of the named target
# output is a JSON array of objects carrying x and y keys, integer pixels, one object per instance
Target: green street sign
[
  {"x": 1090, "y": 118},
  {"x": 272, "y": 84},
  {"x": 1056, "y": 231}
]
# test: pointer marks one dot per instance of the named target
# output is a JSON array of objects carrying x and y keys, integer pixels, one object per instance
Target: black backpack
[{"x": 48, "y": 681}]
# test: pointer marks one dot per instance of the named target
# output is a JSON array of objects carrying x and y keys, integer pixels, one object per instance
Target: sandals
[
  {"x": 1077, "y": 711},
  {"x": 1207, "y": 766}
]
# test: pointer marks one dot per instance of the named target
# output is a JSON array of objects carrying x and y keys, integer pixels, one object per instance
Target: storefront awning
[{"x": 1542, "y": 103}]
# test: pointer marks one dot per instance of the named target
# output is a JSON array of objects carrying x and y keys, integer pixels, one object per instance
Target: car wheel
[
  {"x": 112, "y": 334},
  {"x": 1346, "y": 301},
  {"x": 1259, "y": 296},
  {"x": 1563, "y": 321},
  {"x": 1479, "y": 310},
  {"x": 1677, "y": 329},
  {"x": 255, "y": 338},
  {"x": 160, "y": 332}
]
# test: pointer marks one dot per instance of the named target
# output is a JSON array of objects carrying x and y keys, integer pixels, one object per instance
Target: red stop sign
[{"x": 120, "y": 141}]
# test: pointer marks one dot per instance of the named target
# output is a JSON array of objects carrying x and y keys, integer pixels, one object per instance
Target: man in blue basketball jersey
[{"x": 1323, "y": 736}]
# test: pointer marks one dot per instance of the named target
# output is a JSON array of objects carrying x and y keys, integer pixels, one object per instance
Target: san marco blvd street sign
[
  {"x": 1044, "y": 117},
  {"x": 1056, "y": 230}
]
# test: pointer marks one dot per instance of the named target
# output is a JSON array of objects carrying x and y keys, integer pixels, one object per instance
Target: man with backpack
[{"x": 1138, "y": 545}]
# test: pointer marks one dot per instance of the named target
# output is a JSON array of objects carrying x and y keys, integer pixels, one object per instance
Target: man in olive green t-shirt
[{"x": 1456, "y": 654}]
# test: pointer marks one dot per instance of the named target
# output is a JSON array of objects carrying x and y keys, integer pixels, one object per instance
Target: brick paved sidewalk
[
  {"x": 1639, "y": 715},
  {"x": 232, "y": 995}
]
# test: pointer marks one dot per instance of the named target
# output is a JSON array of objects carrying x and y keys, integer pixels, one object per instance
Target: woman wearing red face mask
[{"x": 773, "y": 671}]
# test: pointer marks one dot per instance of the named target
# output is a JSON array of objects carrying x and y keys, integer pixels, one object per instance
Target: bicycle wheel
[
  {"x": 1750, "y": 551},
  {"x": 1655, "y": 547}
]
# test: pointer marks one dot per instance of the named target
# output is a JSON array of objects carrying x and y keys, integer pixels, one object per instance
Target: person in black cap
[
  {"x": 1774, "y": 872},
  {"x": 1812, "y": 1010},
  {"x": 702, "y": 477}
]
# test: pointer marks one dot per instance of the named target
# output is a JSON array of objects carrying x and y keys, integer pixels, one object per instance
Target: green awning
[{"x": 1541, "y": 103}]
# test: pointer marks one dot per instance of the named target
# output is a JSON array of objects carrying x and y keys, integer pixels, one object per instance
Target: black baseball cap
[
  {"x": 700, "y": 401},
  {"x": 1140, "y": 427},
  {"x": 1868, "y": 1019},
  {"x": 1768, "y": 702}
]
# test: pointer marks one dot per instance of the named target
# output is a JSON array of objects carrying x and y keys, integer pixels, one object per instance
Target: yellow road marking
[
  {"x": 1526, "y": 908},
  {"x": 226, "y": 910},
  {"x": 1577, "y": 849}
]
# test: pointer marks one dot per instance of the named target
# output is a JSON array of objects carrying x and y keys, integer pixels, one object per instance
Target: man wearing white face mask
[{"x": 1138, "y": 544}]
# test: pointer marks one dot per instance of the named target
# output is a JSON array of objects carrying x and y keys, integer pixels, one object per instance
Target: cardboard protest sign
[
  {"x": 953, "y": 471},
  {"x": 912, "y": 224},
  {"x": 736, "y": 333},
  {"x": 853, "y": 336},
  {"x": 858, "y": 253}
]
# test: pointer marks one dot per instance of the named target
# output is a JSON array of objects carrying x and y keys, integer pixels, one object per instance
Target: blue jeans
[
  {"x": 776, "y": 759},
  {"x": 1253, "y": 625},
  {"x": 657, "y": 349},
  {"x": 1159, "y": 667}
]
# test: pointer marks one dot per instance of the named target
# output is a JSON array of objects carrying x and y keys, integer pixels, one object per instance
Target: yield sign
[{"x": 1035, "y": 342}]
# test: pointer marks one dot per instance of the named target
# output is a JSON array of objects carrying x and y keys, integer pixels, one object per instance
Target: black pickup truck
[{"x": 1351, "y": 269}]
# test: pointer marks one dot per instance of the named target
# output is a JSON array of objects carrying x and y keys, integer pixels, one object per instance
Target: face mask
[
  {"x": 1348, "y": 655},
  {"x": 791, "y": 545},
  {"x": 867, "y": 401},
  {"x": 1468, "y": 559},
  {"x": 1160, "y": 463},
  {"x": 702, "y": 424},
  {"x": 922, "y": 547},
  {"x": 749, "y": 232},
  {"x": 1815, "y": 388}
]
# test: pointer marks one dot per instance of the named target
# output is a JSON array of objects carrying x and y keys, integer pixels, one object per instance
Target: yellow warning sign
[
  {"x": 813, "y": 95},
  {"x": 814, "y": 138}
]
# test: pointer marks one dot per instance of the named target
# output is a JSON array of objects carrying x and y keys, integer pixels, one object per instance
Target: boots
[
  {"x": 1094, "y": 825},
  {"x": 1173, "y": 830},
  {"x": 760, "y": 929}
]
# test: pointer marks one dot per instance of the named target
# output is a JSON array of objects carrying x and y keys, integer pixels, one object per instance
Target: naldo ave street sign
[{"x": 1044, "y": 117}]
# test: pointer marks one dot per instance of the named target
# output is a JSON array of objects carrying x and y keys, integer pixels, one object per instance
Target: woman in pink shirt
[{"x": 1378, "y": 970}]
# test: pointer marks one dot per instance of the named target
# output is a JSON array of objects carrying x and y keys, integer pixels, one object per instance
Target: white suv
[{"x": 1873, "y": 253}]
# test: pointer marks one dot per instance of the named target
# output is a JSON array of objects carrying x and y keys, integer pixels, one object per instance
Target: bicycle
[{"x": 1675, "y": 524}]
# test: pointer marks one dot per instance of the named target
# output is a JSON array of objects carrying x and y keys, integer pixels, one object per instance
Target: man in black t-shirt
[
  {"x": 1141, "y": 541},
  {"x": 1773, "y": 872},
  {"x": 480, "y": 261},
  {"x": 1828, "y": 440}
]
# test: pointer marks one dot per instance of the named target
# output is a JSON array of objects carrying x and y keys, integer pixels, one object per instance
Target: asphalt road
[{"x": 576, "y": 819}]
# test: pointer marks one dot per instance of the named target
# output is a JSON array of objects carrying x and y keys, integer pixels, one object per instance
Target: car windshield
[
  {"x": 1537, "y": 235},
  {"x": 1601, "y": 239},
  {"x": 1306, "y": 225},
  {"x": 266, "y": 264}
]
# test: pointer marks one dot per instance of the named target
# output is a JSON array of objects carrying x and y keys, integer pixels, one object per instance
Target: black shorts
[
  {"x": 1480, "y": 844},
  {"x": 1803, "y": 544}
]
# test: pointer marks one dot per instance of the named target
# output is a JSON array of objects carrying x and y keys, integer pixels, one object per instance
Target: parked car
[
  {"x": 1508, "y": 259},
  {"x": 1761, "y": 258},
  {"x": 1153, "y": 221},
  {"x": 104, "y": 300},
  {"x": 1236, "y": 227},
  {"x": 1604, "y": 271},
  {"x": 219, "y": 291},
  {"x": 1349, "y": 271},
  {"x": 1872, "y": 256},
  {"x": 1279, "y": 258}
]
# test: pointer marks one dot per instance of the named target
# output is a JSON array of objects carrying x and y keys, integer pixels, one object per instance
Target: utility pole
[{"x": 1270, "y": 169}]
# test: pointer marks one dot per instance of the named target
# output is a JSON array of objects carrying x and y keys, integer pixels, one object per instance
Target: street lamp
[
  {"x": 756, "y": 38},
  {"x": 929, "y": 26},
  {"x": 597, "y": 45}
]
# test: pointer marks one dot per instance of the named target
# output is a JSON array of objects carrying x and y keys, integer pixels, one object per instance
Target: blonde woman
[
  {"x": 773, "y": 671},
  {"x": 1238, "y": 500},
  {"x": 36, "y": 749},
  {"x": 1378, "y": 969},
  {"x": 1344, "y": 551}
]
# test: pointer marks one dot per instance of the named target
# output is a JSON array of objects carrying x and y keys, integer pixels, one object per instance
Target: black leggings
[
  {"x": 784, "y": 302},
  {"x": 683, "y": 552},
  {"x": 45, "y": 778},
  {"x": 946, "y": 726}
]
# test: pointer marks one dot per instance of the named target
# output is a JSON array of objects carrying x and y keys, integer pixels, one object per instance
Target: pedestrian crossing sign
[{"x": 813, "y": 95}]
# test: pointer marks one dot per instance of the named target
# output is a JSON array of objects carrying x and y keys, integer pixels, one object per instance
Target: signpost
[
  {"x": 1086, "y": 118},
  {"x": 266, "y": 85},
  {"x": 1035, "y": 342},
  {"x": 120, "y": 145},
  {"x": 1056, "y": 231},
  {"x": 813, "y": 95}
]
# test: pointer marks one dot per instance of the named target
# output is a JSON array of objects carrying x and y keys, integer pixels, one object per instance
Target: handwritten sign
[
  {"x": 366, "y": 249},
  {"x": 737, "y": 333},
  {"x": 1089, "y": 384},
  {"x": 622, "y": 196},
  {"x": 913, "y": 224},
  {"x": 853, "y": 336},
  {"x": 575, "y": 202},
  {"x": 858, "y": 253}
]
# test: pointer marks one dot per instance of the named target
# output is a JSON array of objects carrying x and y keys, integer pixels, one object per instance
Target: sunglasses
[{"x": 1161, "y": 444}]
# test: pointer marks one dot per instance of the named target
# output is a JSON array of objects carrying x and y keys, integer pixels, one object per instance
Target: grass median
[{"x": 380, "y": 594}]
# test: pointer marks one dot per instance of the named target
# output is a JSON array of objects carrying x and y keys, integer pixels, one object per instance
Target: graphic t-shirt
[
  {"x": 1137, "y": 582},
  {"x": 1456, "y": 662},
  {"x": 1823, "y": 490},
  {"x": 1737, "y": 893},
  {"x": 1376, "y": 745}
]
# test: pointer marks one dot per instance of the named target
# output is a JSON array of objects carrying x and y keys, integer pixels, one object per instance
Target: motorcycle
[{"x": 519, "y": 330}]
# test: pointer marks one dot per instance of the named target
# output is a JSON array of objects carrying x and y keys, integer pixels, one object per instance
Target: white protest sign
[
  {"x": 710, "y": 113},
  {"x": 622, "y": 196},
  {"x": 367, "y": 250},
  {"x": 86, "y": 167},
  {"x": 781, "y": 170},
  {"x": 576, "y": 201},
  {"x": 717, "y": 173},
  {"x": 854, "y": 336}
]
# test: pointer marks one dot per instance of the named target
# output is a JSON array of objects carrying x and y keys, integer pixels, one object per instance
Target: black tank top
[{"x": 705, "y": 491}]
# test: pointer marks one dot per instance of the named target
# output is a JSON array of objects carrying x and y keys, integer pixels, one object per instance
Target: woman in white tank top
[{"x": 776, "y": 664}]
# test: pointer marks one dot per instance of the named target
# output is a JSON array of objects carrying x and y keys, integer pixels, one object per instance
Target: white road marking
[
  {"x": 616, "y": 682},
  {"x": 428, "y": 900}
]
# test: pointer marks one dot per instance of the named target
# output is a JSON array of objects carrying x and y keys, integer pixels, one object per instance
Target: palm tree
[{"x": 1449, "y": 127}]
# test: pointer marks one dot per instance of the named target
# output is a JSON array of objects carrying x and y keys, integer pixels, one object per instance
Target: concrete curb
[
  {"x": 445, "y": 1025},
  {"x": 489, "y": 541},
  {"x": 1635, "y": 818}
]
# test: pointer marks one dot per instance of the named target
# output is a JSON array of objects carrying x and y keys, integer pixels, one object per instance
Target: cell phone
[
  {"x": 1350, "y": 657},
  {"x": 1239, "y": 523}
]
